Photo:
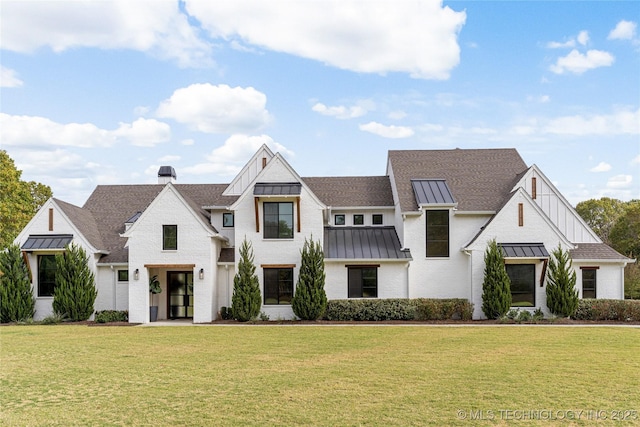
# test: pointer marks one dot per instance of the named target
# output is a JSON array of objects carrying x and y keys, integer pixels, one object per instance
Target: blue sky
[{"x": 107, "y": 92}]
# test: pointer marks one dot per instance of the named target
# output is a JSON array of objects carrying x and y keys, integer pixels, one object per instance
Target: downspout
[
  {"x": 468, "y": 252},
  {"x": 115, "y": 287}
]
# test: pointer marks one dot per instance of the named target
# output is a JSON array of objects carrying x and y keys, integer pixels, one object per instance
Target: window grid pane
[
  {"x": 278, "y": 286},
  {"x": 522, "y": 277},
  {"x": 437, "y": 233},
  {"x": 278, "y": 220},
  {"x": 46, "y": 275},
  {"x": 588, "y": 283},
  {"x": 363, "y": 282},
  {"x": 170, "y": 237}
]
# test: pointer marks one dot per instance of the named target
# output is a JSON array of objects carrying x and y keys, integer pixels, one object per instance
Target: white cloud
[
  {"x": 33, "y": 131},
  {"x": 624, "y": 30},
  {"x": 340, "y": 111},
  {"x": 577, "y": 63},
  {"x": 9, "y": 78},
  {"x": 169, "y": 159},
  {"x": 583, "y": 37},
  {"x": 562, "y": 45},
  {"x": 397, "y": 115},
  {"x": 387, "y": 131},
  {"x": 145, "y": 132},
  {"x": 620, "y": 181},
  {"x": 636, "y": 160},
  {"x": 217, "y": 109},
  {"x": 617, "y": 123},
  {"x": 601, "y": 167},
  {"x": 187, "y": 142},
  {"x": 228, "y": 159},
  {"x": 157, "y": 27},
  {"x": 419, "y": 38}
]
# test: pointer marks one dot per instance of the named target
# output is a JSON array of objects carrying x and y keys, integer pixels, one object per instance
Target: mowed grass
[{"x": 316, "y": 375}]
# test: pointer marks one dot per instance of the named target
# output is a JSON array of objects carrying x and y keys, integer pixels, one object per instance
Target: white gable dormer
[
  {"x": 556, "y": 207},
  {"x": 249, "y": 172}
]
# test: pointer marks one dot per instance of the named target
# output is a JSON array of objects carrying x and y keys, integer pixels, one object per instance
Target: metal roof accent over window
[
  {"x": 37, "y": 242},
  {"x": 363, "y": 243},
  {"x": 524, "y": 250},
  {"x": 432, "y": 191},
  {"x": 277, "y": 189},
  {"x": 133, "y": 218}
]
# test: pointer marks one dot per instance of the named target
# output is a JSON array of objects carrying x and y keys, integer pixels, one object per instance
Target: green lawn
[{"x": 315, "y": 375}]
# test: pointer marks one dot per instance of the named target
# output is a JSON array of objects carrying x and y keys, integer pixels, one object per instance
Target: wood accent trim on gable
[
  {"x": 50, "y": 219},
  {"x": 520, "y": 214},
  {"x": 534, "y": 188},
  {"x": 257, "y": 210},
  {"x": 545, "y": 264},
  {"x": 25, "y": 258},
  {"x": 590, "y": 268},
  {"x": 264, "y": 162},
  {"x": 298, "y": 212}
]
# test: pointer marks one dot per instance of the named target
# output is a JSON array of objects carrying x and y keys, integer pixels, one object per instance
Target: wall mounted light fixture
[
  {"x": 201, "y": 275},
  {"x": 136, "y": 274}
]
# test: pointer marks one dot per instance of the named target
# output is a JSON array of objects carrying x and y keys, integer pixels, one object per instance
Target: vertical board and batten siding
[
  {"x": 195, "y": 246},
  {"x": 249, "y": 173},
  {"x": 277, "y": 251}
]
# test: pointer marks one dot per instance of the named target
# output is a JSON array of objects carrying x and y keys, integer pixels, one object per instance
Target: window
[
  {"x": 376, "y": 219},
  {"x": 227, "y": 219},
  {"x": 123, "y": 275},
  {"x": 363, "y": 282},
  {"x": 278, "y": 286},
  {"x": 278, "y": 220},
  {"x": 46, "y": 275},
  {"x": 437, "y": 233},
  {"x": 339, "y": 219},
  {"x": 589, "y": 283},
  {"x": 523, "y": 286},
  {"x": 169, "y": 237},
  {"x": 358, "y": 219}
]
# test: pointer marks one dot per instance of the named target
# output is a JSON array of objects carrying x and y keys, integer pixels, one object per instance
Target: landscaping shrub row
[
  {"x": 398, "y": 309},
  {"x": 608, "y": 309},
  {"x": 106, "y": 316}
]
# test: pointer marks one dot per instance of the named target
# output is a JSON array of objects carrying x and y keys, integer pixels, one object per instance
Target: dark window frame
[
  {"x": 517, "y": 290},
  {"x": 377, "y": 219},
  {"x": 362, "y": 281},
  {"x": 46, "y": 276},
  {"x": 277, "y": 285},
  {"x": 278, "y": 231},
  {"x": 169, "y": 242},
  {"x": 225, "y": 221},
  {"x": 358, "y": 219},
  {"x": 341, "y": 221},
  {"x": 437, "y": 245},
  {"x": 123, "y": 275},
  {"x": 588, "y": 280}
]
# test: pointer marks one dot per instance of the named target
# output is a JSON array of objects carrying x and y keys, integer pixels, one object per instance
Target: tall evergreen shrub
[
  {"x": 562, "y": 295},
  {"x": 496, "y": 287},
  {"x": 245, "y": 302},
  {"x": 310, "y": 300},
  {"x": 17, "y": 302},
  {"x": 75, "y": 292}
]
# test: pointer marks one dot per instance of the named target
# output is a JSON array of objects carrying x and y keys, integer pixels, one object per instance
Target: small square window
[
  {"x": 376, "y": 219},
  {"x": 358, "y": 219},
  {"x": 339, "y": 219},
  {"x": 123, "y": 275},
  {"x": 227, "y": 219}
]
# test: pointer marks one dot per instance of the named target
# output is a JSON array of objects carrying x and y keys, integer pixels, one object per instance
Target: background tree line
[
  {"x": 19, "y": 200},
  {"x": 617, "y": 223}
]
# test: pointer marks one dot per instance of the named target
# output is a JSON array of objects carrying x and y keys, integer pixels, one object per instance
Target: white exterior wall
[
  {"x": 441, "y": 277},
  {"x": 388, "y": 217},
  {"x": 277, "y": 251},
  {"x": 195, "y": 246},
  {"x": 609, "y": 279},
  {"x": 226, "y": 274},
  {"x": 228, "y": 232},
  {"x": 505, "y": 229},
  {"x": 392, "y": 278},
  {"x": 39, "y": 224},
  {"x": 112, "y": 294}
]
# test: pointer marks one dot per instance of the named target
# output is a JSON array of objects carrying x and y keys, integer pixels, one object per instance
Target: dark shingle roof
[
  {"x": 596, "y": 251},
  {"x": 227, "y": 255},
  {"x": 351, "y": 191},
  {"x": 363, "y": 243},
  {"x": 84, "y": 221},
  {"x": 479, "y": 179}
]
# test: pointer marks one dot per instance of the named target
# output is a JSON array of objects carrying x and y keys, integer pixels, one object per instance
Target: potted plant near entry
[{"x": 154, "y": 288}]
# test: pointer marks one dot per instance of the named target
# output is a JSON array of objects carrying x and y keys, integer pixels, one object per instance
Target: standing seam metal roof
[{"x": 363, "y": 243}]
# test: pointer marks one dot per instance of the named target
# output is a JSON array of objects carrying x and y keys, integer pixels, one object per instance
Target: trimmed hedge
[
  {"x": 608, "y": 309},
  {"x": 398, "y": 309},
  {"x": 106, "y": 316}
]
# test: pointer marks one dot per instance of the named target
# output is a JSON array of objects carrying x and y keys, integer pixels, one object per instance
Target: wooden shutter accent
[
  {"x": 520, "y": 214},
  {"x": 298, "y": 212},
  {"x": 50, "y": 219},
  {"x": 264, "y": 162},
  {"x": 534, "y": 189},
  {"x": 257, "y": 214}
]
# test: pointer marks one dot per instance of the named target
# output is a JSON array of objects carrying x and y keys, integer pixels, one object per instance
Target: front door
[{"x": 180, "y": 302}]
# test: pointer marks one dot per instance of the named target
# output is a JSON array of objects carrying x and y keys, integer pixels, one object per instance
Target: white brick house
[{"x": 419, "y": 231}]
